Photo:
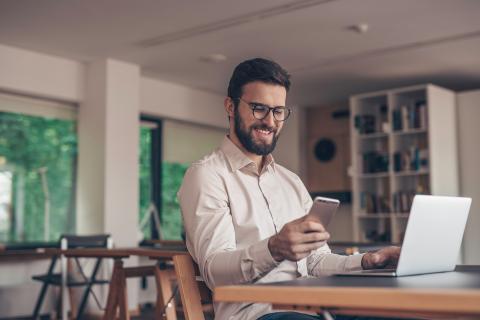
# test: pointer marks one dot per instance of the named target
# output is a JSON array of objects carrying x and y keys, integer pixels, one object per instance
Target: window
[
  {"x": 149, "y": 174},
  {"x": 177, "y": 145},
  {"x": 38, "y": 152}
]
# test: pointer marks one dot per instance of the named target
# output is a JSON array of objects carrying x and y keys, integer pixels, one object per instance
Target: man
[{"x": 244, "y": 214}]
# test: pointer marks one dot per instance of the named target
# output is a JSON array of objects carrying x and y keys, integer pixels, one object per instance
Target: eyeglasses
[{"x": 261, "y": 111}]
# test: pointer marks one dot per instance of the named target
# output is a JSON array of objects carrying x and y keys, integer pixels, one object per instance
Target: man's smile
[{"x": 264, "y": 132}]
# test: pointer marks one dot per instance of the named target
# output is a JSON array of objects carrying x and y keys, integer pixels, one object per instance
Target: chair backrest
[{"x": 190, "y": 288}]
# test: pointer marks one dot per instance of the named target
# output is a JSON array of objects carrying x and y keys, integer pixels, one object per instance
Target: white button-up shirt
[{"x": 229, "y": 213}]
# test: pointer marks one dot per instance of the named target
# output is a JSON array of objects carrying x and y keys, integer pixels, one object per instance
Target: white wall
[
  {"x": 169, "y": 100},
  {"x": 186, "y": 143},
  {"x": 41, "y": 75},
  {"x": 468, "y": 104}
]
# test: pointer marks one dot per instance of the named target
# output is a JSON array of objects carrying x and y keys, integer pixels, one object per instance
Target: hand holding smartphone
[{"x": 323, "y": 210}]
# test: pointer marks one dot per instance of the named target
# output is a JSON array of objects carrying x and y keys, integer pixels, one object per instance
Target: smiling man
[{"x": 244, "y": 214}]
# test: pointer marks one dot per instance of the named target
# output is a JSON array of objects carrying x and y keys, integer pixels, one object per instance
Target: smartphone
[{"x": 323, "y": 210}]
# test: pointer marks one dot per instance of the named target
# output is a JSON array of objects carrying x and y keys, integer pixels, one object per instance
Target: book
[
  {"x": 413, "y": 159},
  {"x": 374, "y": 162},
  {"x": 409, "y": 117}
]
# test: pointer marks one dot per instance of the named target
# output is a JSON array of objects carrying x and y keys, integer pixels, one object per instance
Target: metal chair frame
[{"x": 51, "y": 278}]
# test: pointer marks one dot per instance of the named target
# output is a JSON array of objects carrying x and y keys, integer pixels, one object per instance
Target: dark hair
[{"x": 257, "y": 69}]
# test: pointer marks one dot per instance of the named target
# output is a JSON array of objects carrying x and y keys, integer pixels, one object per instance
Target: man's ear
[{"x": 229, "y": 106}]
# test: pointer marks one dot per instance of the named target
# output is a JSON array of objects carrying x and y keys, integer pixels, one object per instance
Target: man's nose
[{"x": 269, "y": 119}]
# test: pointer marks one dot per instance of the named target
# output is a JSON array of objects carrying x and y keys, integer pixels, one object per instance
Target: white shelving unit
[{"x": 404, "y": 142}]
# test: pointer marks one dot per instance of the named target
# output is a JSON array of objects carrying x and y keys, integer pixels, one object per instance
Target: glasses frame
[{"x": 254, "y": 106}]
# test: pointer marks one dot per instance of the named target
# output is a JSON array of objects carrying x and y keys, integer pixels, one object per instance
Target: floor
[{"x": 148, "y": 312}]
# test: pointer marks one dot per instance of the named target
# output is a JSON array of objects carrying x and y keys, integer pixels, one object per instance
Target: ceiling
[{"x": 408, "y": 42}]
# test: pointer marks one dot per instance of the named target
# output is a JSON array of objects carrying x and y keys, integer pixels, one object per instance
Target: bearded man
[{"x": 244, "y": 214}]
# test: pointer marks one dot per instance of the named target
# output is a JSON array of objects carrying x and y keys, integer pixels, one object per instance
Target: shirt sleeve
[
  {"x": 211, "y": 235},
  {"x": 323, "y": 262}
]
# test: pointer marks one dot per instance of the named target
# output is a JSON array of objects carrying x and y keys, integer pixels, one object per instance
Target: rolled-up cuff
[
  {"x": 354, "y": 262},
  {"x": 259, "y": 260}
]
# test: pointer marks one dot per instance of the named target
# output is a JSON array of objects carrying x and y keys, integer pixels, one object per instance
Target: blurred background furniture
[
  {"x": 195, "y": 295},
  {"x": 66, "y": 278}
]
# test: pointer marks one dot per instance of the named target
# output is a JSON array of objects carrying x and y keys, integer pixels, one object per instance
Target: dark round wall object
[{"x": 325, "y": 150}]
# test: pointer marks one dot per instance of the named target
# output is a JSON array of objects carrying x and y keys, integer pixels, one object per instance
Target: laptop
[{"x": 432, "y": 239}]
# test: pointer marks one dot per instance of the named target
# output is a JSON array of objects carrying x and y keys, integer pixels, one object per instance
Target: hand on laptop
[{"x": 385, "y": 258}]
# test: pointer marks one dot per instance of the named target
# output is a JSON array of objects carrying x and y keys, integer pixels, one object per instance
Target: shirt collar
[{"x": 237, "y": 159}]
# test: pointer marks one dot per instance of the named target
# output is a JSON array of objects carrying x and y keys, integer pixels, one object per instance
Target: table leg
[
  {"x": 112, "y": 300},
  {"x": 122, "y": 295}
]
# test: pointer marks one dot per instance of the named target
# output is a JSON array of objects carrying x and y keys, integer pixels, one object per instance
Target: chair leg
[
  {"x": 38, "y": 304},
  {"x": 43, "y": 291},
  {"x": 164, "y": 293},
  {"x": 63, "y": 287},
  {"x": 87, "y": 290},
  {"x": 71, "y": 292}
]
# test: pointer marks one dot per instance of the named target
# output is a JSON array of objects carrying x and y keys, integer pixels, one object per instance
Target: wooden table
[
  {"x": 163, "y": 271},
  {"x": 117, "y": 293},
  {"x": 22, "y": 255},
  {"x": 26, "y": 251},
  {"x": 440, "y": 295}
]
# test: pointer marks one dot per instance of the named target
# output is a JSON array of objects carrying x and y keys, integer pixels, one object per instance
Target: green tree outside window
[{"x": 28, "y": 146}]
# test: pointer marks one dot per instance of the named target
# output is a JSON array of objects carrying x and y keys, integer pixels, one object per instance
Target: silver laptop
[{"x": 432, "y": 239}]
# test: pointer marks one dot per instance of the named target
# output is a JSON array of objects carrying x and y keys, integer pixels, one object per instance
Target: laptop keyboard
[{"x": 378, "y": 270}]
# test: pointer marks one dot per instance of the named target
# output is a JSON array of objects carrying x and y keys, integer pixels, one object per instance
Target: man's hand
[
  {"x": 297, "y": 240},
  {"x": 381, "y": 259}
]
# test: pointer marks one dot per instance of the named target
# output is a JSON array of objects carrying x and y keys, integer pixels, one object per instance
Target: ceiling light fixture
[
  {"x": 360, "y": 28},
  {"x": 214, "y": 58}
]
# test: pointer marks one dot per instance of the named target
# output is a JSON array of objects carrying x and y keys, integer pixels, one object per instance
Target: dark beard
[{"x": 246, "y": 137}]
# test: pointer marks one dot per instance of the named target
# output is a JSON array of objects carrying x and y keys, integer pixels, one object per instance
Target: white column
[
  {"x": 469, "y": 158},
  {"x": 108, "y": 131},
  {"x": 107, "y": 196},
  {"x": 121, "y": 152},
  {"x": 91, "y": 152}
]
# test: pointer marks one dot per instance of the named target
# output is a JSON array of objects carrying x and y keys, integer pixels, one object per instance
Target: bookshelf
[{"x": 403, "y": 142}]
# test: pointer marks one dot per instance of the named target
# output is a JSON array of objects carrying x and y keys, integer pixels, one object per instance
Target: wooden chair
[
  {"x": 67, "y": 280},
  {"x": 194, "y": 293}
]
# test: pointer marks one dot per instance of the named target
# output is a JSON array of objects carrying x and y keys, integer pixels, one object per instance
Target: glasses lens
[
  {"x": 279, "y": 113},
  {"x": 260, "y": 111}
]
